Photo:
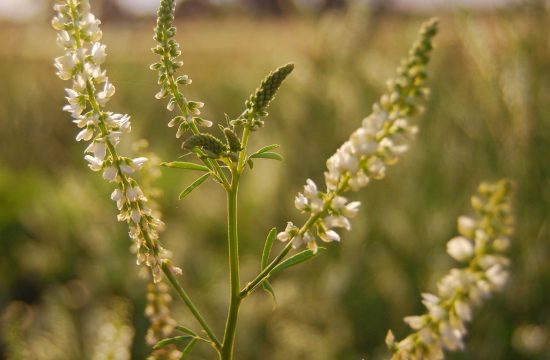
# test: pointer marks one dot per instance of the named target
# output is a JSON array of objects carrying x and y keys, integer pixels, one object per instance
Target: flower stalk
[{"x": 480, "y": 246}]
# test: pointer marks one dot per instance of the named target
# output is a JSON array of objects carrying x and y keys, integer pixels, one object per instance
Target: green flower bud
[
  {"x": 214, "y": 146},
  {"x": 269, "y": 86},
  {"x": 232, "y": 140}
]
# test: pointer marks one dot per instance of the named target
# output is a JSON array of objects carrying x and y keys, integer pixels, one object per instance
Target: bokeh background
[{"x": 66, "y": 273}]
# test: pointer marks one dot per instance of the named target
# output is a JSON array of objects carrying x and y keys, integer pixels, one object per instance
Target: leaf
[
  {"x": 250, "y": 164},
  {"x": 266, "y": 148},
  {"x": 268, "y": 155},
  {"x": 185, "y": 165},
  {"x": 296, "y": 259},
  {"x": 186, "y": 330},
  {"x": 192, "y": 187},
  {"x": 271, "y": 236},
  {"x": 187, "y": 350},
  {"x": 268, "y": 288},
  {"x": 173, "y": 340}
]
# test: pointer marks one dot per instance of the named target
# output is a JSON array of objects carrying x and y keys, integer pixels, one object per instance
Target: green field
[{"x": 64, "y": 260}]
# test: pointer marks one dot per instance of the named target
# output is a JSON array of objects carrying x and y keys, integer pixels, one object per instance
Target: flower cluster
[
  {"x": 162, "y": 324},
  {"x": 382, "y": 138},
  {"x": 169, "y": 50},
  {"x": 79, "y": 36},
  {"x": 480, "y": 245}
]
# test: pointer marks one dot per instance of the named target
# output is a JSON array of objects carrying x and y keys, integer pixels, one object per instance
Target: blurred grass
[{"x": 488, "y": 118}]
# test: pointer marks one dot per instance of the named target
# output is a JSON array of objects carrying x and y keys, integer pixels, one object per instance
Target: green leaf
[
  {"x": 186, "y": 330},
  {"x": 172, "y": 340},
  {"x": 268, "y": 288},
  {"x": 192, "y": 187},
  {"x": 268, "y": 155},
  {"x": 250, "y": 164},
  {"x": 296, "y": 259},
  {"x": 187, "y": 350},
  {"x": 266, "y": 148},
  {"x": 185, "y": 165},
  {"x": 271, "y": 236}
]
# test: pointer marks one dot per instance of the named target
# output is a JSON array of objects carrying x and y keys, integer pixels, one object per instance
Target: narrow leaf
[
  {"x": 296, "y": 259},
  {"x": 185, "y": 165},
  {"x": 187, "y": 350},
  {"x": 192, "y": 187},
  {"x": 172, "y": 340},
  {"x": 186, "y": 330},
  {"x": 268, "y": 155},
  {"x": 268, "y": 288},
  {"x": 271, "y": 236},
  {"x": 250, "y": 164},
  {"x": 266, "y": 148}
]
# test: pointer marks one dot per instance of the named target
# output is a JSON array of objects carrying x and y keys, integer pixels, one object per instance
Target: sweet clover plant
[{"x": 224, "y": 157}]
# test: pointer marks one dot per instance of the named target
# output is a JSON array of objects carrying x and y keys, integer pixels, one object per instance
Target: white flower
[
  {"x": 98, "y": 148},
  {"x": 118, "y": 196},
  {"x": 103, "y": 96},
  {"x": 85, "y": 134},
  {"x": 138, "y": 162},
  {"x": 98, "y": 53},
  {"x": 466, "y": 225},
  {"x": 333, "y": 221},
  {"x": 329, "y": 235},
  {"x": 497, "y": 276},
  {"x": 135, "y": 215},
  {"x": 110, "y": 173},
  {"x": 65, "y": 65},
  {"x": 310, "y": 189},
  {"x": 93, "y": 163},
  {"x": 460, "y": 248},
  {"x": 415, "y": 322},
  {"x": 463, "y": 310},
  {"x": 301, "y": 202},
  {"x": 351, "y": 209}
]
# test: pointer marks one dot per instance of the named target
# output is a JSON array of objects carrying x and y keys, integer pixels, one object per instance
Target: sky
[{"x": 24, "y": 10}]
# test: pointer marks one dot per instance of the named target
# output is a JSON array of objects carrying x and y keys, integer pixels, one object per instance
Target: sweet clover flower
[
  {"x": 79, "y": 35},
  {"x": 383, "y": 137},
  {"x": 480, "y": 247}
]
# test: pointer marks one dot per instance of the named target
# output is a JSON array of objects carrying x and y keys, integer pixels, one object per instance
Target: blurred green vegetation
[{"x": 63, "y": 257}]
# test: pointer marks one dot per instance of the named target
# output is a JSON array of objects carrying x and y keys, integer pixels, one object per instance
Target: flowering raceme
[
  {"x": 79, "y": 36},
  {"x": 480, "y": 245},
  {"x": 382, "y": 138}
]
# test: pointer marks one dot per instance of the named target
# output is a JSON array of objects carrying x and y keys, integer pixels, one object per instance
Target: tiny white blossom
[
  {"x": 460, "y": 248},
  {"x": 93, "y": 163},
  {"x": 98, "y": 53},
  {"x": 301, "y": 202},
  {"x": 110, "y": 173},
  {"x": 329, "y": 235}
]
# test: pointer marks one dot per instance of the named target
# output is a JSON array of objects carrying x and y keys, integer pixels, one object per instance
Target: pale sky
[{"x": 23, "y": 10}]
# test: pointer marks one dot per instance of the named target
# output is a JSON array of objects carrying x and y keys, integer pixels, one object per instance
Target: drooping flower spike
[{"x": 79, "y": 35}]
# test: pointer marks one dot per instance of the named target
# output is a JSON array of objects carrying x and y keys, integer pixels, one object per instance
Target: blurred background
[{"x": 66, "y": 273}]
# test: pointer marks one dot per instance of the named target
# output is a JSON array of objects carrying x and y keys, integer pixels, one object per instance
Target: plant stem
[
  {"x": 265, "y": 273},
  {"x": 183, "y": 295},
  {"x": 233, "y": 244}
]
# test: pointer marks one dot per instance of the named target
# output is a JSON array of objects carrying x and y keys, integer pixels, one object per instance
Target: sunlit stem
[{"x": 183, "y": 295}]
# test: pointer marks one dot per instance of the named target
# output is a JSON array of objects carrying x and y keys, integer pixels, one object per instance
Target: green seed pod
[
  {"x": 269, "y": 86},
  {"x": 232, "y": 140},
  {"x": 206, "y": 142}
]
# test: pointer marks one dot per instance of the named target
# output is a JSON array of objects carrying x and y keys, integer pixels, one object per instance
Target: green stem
[
  {"x": 183, "y": 295},
  {"x": 182, "y": 105},
  {"x": 233, "y": 243},
  {"x": 265, "y": 273}
]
